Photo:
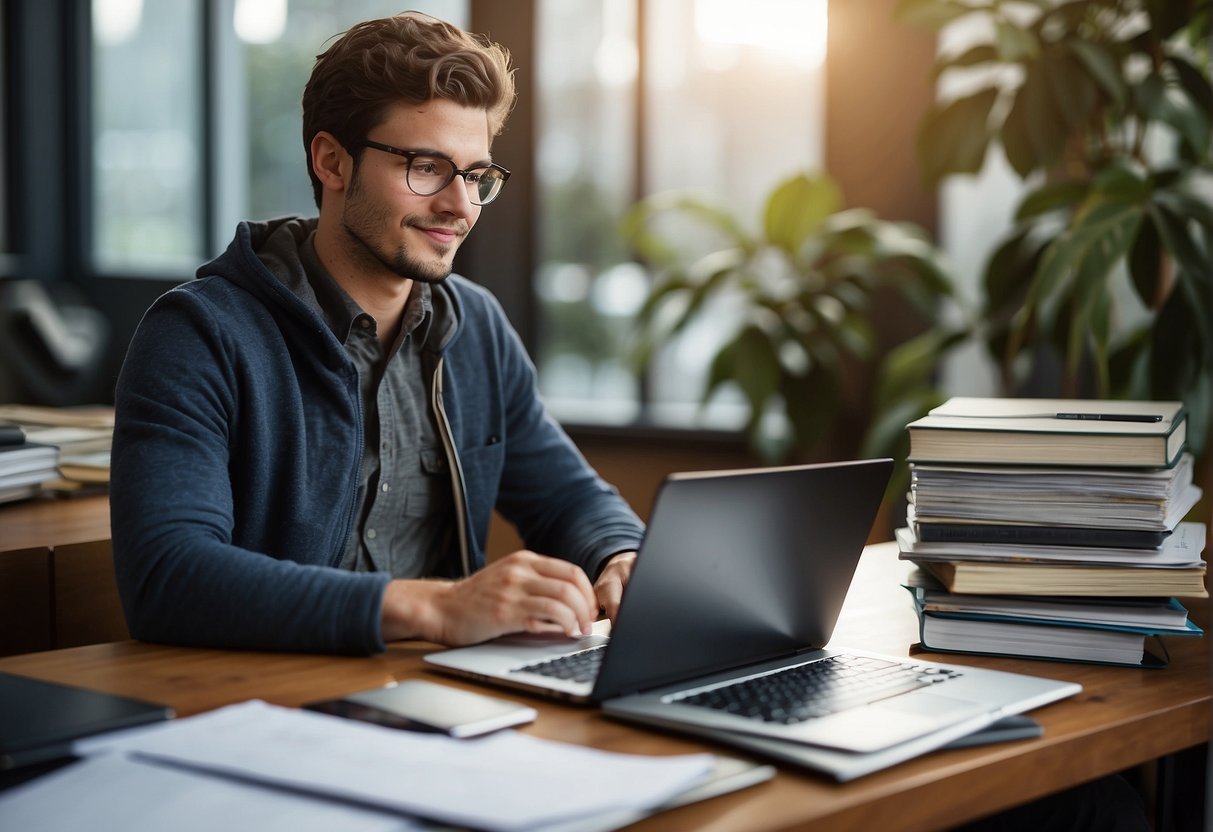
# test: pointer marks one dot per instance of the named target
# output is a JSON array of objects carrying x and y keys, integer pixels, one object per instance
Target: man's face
[{"x": 387, "y": 225}]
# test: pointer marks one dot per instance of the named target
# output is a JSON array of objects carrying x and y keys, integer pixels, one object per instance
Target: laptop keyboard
[
  {"x": 816, "y": 689},
  {"x": 574, "y": 667}
]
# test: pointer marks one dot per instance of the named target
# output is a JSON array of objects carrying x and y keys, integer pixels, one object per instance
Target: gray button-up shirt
[{"x": 404, "y": 510}]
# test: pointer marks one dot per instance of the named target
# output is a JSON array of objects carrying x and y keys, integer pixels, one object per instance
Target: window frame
[{"x": 47, "y": 52}]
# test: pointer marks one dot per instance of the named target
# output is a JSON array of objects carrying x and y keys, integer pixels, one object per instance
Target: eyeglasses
[{"x": 428, "y": 174}]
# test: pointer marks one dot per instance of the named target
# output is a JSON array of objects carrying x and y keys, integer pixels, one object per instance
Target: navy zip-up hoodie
[{"x": 237, "y": 442}]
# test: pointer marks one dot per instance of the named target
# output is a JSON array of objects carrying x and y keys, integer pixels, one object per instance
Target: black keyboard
[
  {"x": 574, "y": 667},
  {"x": 816, "y": 689}
]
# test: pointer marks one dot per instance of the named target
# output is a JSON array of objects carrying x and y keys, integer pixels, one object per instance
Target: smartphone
[{"x": 417, "y": 705}]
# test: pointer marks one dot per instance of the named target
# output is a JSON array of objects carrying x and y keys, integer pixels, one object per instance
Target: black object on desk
[{"x": 40, "y": 720}]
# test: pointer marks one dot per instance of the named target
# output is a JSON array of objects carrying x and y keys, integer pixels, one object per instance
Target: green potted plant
[
  {"x": 1080, "y": 95},
  {"x": 804, "y": 285}
]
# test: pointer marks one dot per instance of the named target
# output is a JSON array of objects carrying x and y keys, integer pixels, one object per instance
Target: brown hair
[{"x": 411, "y": 57}]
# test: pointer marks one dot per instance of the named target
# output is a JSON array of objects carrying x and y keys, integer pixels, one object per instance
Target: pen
[{"x": 1111, "y": 417}]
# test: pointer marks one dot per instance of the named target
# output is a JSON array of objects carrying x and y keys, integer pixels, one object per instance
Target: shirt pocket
[{"x": 429, "y": 488}]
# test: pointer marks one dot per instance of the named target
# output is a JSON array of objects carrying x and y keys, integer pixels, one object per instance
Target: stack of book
[
  {"x": 24, "y": 465},
  {"x": 81, "y": 437},
  {"x": 1053, "y": 528}
]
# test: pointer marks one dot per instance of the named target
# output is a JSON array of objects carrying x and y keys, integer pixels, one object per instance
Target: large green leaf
[
  {"x": 912, "y": 364},
  {"x": 1195, "y": 283},
  {"x": 1015, "y": 142},
  {"x": 1100, "y": 323},
  {"x": 674, "y": 282},
  {"x": 721, "y": 369},
  {"x": 1015, "y": 44},
  {"x": 1010, "y": 268},
  {"x": 1150, "y": 96},
  {"x": 636, "y": 225},
  {"x": 1198, "y": 401},
  {"x": 924, "y": 278},
  {"x": 1120, "y": 182},
  {"x": 983, "y": 53},
  {"x": 1066, "y": 16},
  {"x": 698, "y": 294},
  {"x": 1194, "y": 83},
  {"x": 886, "y": 434},
  {"x": 1186, "y": 205},
  {"x": 1129, "y": 365},
  {"x": 1090, "y": 310},
  {"x": 853, "y": 334},
  {"x": 797, "y": 208},
  {"x": 854, "y": 240},
  {"x": 1104, "y": 68},
  {"x": 1089, "y": 249},
  {"x": 1168, "y": 16},
  {"x": 811, "y": 402},
  {"x": 1176, "y": 352},
  {"x": 750, "y": 361},
  {"x": 1046, "y": 124},
  {"x": 1145, "y": 263},
  {"x": 1050, "y": 197},
  {"x": 953, "y": 139},
  {"x": 1176, "y": 233},
  {"x": 1172, "y": 106}
]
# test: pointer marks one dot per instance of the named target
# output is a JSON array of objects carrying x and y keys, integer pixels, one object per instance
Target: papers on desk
[
  {"x": 116, "y": 793},
  {"x": 504, "y": 781}
]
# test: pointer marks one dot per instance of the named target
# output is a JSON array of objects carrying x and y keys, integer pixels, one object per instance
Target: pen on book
[{"x": 1112, "y": 417}]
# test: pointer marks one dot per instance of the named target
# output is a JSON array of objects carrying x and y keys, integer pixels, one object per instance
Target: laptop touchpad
[{"x": 890, "y": 721}]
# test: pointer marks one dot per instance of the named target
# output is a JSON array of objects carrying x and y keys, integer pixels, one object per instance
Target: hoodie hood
[{"x": 264, "y": 259}]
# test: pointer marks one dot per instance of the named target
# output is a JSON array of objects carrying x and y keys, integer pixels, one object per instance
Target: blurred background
[{"x": 137, "y": 133}]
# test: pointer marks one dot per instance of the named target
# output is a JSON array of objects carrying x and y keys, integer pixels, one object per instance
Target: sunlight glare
[
  {"x": 116, "y": 21},
  {"x": 260, "y": 21},
  {"x": 794, "y": 28}
]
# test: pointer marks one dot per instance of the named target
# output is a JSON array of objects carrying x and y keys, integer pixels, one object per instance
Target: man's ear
[{"x": 330, "y": 162}]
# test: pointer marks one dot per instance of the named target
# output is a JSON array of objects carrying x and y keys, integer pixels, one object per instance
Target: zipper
[
  {"x": 448, "y": 443},
  {"x": 343, "y": 539}
]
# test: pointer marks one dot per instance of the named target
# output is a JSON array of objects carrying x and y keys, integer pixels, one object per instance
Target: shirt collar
[{"x": 342, "y": 313}]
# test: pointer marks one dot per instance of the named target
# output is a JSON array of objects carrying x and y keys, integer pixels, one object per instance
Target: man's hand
[
  {"x": 522, "y": 592},
  {"x": 610, "y": 584}
]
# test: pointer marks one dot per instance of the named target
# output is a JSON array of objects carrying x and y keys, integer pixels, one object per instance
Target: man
[{"x": 311, "y": 437}]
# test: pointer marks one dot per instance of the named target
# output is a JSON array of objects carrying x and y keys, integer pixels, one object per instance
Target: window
[
  {"x": 730, "y": 105},
  {"x": 147, "y": 150},
  {"x": 276, "y": 45},
  {"x": 193, "y": 133},
  {"x": 195, "y": 125}
]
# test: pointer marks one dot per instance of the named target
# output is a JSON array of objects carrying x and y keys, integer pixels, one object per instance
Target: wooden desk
[
  {"x": 1124, "y": 717},
  {"x": 57, "y": 585}
]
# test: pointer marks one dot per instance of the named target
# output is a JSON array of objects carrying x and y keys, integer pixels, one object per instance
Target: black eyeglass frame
[{"x": 411, "y": 155}]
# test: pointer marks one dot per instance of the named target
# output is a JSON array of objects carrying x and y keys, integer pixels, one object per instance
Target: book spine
[{"x": 1039, "y": 535}]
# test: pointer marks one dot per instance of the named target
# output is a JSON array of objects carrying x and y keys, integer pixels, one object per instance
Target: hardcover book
[
  {"x": 1093, "y": 433},
  {"x": 989, "y": 578}
]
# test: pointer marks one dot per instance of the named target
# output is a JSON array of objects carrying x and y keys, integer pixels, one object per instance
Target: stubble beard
[{"x": 359, "y": 222}]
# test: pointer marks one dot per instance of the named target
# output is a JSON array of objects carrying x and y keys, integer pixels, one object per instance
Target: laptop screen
[{"x": 740, "y": 566}]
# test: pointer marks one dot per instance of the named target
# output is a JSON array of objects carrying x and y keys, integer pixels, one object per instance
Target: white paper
[
  {"x": 504, "y": 781},
  {"x": 114, "y": 793}
]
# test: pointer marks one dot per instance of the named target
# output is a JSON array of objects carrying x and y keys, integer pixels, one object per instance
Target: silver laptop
[{"x": 723, "y": 627}]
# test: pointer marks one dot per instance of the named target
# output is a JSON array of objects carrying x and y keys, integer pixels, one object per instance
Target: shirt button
[
  {"x": 386, "y": 487},
  {"x": 364, "y": 323},
  {"x": 370, "y": 534}
]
